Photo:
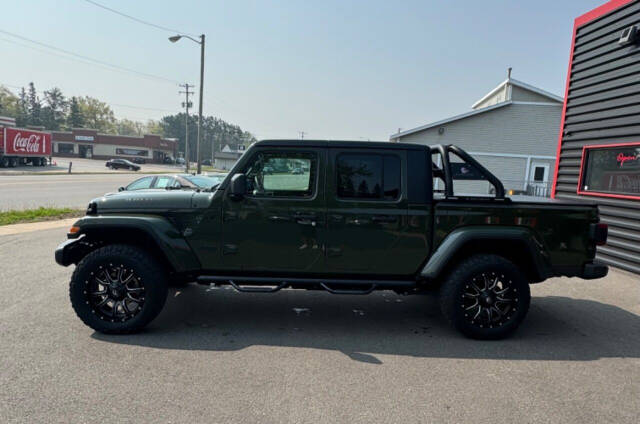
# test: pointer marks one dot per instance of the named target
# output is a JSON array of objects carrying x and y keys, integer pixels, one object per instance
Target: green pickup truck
[{"x": 345, "y": 217}]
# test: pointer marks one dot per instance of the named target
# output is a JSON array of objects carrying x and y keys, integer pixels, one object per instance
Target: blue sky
[{"x": 334, "y": 69}]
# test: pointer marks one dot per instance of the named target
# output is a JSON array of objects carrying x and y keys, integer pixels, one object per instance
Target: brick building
[{"x": 87, "y": 143}]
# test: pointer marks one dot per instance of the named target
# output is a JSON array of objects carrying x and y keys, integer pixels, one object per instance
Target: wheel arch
[
  {"x": 153, "y": 234},
  {"x": 517, "y": 244}
]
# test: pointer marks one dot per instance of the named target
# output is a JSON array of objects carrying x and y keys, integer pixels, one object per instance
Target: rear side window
[
  {"x": 368, "y": 176},
  {"x": 163, "y": 182}
]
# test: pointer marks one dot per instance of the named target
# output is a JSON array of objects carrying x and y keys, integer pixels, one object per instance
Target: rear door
[{"x": 366, "y": 211}]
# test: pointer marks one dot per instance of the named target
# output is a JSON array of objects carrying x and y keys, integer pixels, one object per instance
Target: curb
[{"x": 28, "y": 227}]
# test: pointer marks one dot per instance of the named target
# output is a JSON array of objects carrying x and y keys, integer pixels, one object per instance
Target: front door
[
  {"x": 539, "y": 179},
  {"x": 366, "y": 212},
  {"x": 278, "y": 225}
]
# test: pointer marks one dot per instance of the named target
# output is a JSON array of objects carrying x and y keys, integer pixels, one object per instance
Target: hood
[{"x": 148, "y": 200}]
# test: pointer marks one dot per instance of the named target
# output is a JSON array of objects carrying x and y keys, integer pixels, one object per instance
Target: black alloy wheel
[
  {"x": 118, "y": 289},
  {"x": 485, "y": 297},
  {"x": 115, "y": 293},
  {"x": 490, "y": 299}
]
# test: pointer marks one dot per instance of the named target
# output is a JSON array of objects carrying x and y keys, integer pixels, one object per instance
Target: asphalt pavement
[{"x": 217, "y": 356}]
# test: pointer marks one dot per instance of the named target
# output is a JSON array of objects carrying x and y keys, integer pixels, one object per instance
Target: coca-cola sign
[{"x": 18, "y": 141}]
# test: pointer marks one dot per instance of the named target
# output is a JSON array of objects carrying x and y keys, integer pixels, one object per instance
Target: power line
[
  {"x": 17, "y": 87},
  {"x": 86, "y": 58},
  {"x": 133, "y": 18}
]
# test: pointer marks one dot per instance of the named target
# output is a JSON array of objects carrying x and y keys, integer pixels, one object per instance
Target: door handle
[
  {"x": 305, "y": 219},
  {"x": 358, "y": 221},
  {"x": 279, "y": 218},
  {"x": 385, "y": 218}
]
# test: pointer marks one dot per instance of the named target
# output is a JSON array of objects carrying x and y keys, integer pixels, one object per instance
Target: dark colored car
[
  {"x": 176, "y": 181},
  {"x": 207, "y": 162},
  {"x": 139, "y": 160},
  {"x": 365, "y": 217},
  {"x": 121, "y": 164}
]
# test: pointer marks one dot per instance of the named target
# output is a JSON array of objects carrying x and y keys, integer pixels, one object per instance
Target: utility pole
[
  {"x": 200, "y": 105},
  {"x": 186, "y": 104},
  {"x": 302, "y": 133}
]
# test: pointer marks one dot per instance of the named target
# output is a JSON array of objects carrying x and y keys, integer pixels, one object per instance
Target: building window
[
  {"x": 611, "y": 171},
  {"x": 65, "y": 148},
  {"x": 368, "y": 177},
  {"x": 132, "y": 152}
]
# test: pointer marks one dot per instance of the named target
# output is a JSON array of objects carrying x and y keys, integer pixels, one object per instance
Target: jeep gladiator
[{"x": 345, "y": 217}]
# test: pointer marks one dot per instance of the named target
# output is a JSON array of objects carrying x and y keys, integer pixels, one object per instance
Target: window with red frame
[{"x": 611, "y": 171}]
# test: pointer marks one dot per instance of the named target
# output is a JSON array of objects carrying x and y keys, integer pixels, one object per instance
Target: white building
[
  {"x": 227, "y": 157},
  {"x": 512, "y": 131}
]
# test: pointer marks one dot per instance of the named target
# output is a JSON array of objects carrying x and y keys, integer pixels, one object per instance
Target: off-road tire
[
  {"x": 452, "y": 296},
  {"x": 151, "y": 276}
]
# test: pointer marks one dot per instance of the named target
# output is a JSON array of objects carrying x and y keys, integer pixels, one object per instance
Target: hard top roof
[{"x": 341, "y": 143}]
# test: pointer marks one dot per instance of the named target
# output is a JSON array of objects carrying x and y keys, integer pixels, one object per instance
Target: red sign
[
  {"x": 21, "y": 142},
  {"x": 622, "y": 158}
]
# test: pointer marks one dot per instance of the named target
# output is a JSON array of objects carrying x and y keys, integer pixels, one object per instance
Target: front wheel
[
  {"x": 118, "y": 289},
  {"x": 485, "y": 297}
]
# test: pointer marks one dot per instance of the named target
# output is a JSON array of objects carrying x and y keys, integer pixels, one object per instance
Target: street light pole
[
  {"x": 173, "y": 39},
  {"x": 200, "y": 107}
]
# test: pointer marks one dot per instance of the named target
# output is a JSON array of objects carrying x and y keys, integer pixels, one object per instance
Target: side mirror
[
  {"x": 121, "y": 189},
  {"x": 238, "y": 186}
]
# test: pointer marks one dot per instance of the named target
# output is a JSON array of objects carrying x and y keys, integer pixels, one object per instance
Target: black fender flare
[
  {"x": 459, "y": 237},
  {"x": 167, "y": 238}
]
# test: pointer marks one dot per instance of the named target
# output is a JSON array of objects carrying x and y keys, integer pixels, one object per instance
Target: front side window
[
  {"x": 282, "y": 174},
  {"x": 611, "y": 171},
  {"x": 140, "y": 184},
  {"x": 368, "y": 176}
]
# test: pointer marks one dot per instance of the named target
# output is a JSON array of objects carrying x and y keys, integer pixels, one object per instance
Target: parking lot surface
[{"x": 214, "y": 355}]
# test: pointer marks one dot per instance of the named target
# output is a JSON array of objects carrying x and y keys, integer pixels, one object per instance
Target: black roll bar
[{"x": 446, "y": 167}]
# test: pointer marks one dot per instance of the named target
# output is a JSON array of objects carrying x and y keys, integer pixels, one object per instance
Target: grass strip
[{"x": 39, "y": 214}]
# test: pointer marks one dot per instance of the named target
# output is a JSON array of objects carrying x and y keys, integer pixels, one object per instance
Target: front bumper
[
  {"x": 67, "y": 252},
  {"x": 593, "y": 270}
]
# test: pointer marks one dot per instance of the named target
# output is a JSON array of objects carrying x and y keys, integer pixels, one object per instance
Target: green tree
[
  {"x": 8, "y": 103},
  {"x": 128, "y": 127},
  {"x": 97, "y": 114},
  {"x": 216, "y": 134},
  {"x": 34, "y": 106},
  {"x": 55, "y": 110},
  {"x": 154, "y": 127},
  {"x": 75, "y": 119},
  {"x": 22, "y": 109}
]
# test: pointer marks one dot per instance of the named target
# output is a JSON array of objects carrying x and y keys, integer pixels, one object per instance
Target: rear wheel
[
  {"x": 118, "y": 289},
  {"x": 485, "y": 297},
  {"x": 13, "y": 162},
  {"x": 4, "y": 163}
]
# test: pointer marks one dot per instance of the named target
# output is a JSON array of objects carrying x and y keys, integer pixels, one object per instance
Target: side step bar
[{"x": 334, "y": 286}]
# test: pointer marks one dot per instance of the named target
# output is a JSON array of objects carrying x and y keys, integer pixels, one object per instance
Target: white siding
[
  {"x": 519, "y": 94},
  {"x": 497, "y": 97},
  {"x": 515, "y": 129}
]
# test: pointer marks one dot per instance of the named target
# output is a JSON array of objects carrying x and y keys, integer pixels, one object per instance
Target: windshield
[{"x": 205, "y": 181}]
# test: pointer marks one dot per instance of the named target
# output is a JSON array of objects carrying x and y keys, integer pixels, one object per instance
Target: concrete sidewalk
[{"x": 6, "y": 230}]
